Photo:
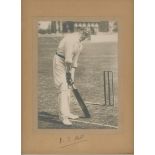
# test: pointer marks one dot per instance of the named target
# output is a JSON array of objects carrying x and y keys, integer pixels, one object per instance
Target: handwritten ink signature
[{"x": 71, "y": 140}]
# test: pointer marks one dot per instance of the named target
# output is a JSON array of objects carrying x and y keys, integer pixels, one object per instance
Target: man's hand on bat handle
[
  {"x": 68, "y": 74},
  {"x": 69, "y": 79}
]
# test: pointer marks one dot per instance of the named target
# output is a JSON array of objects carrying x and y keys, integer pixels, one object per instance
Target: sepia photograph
[{"x": 77, "y": 74}]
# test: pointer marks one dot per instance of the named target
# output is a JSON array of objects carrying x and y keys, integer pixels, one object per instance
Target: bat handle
[{"x": 72, "y": 84}]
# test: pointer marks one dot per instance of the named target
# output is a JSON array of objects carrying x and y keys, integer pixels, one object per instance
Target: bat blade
[{"x": 81, "y": 103}]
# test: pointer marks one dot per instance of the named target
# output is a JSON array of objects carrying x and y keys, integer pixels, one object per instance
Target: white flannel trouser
[{"x": 59, "y": 75}]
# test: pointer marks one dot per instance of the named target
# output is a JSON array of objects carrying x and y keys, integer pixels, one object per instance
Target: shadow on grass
[
  {"x": 47, "y": 117},
  {"x": 50, "y": 121}
]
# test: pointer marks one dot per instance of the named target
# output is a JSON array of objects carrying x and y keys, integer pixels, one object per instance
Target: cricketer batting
[{"x": 64, "y": 64}]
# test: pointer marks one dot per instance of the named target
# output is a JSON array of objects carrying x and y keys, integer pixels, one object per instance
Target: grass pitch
[{"x": 94, "y": 59}]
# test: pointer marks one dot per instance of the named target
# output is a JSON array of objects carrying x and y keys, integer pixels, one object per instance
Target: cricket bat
[{"x": 80, "y": 101}]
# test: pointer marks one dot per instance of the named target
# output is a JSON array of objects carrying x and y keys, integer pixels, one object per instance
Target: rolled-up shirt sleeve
[
  {"x": 76, "y": 57},
  {"x": 69, "y": 51}
]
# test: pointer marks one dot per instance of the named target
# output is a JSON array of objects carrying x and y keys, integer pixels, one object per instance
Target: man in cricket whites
[{"x": 64, "y": 65}]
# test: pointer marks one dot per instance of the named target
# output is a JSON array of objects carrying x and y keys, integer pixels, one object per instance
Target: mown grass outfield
[{"x": 95, "y": 58}]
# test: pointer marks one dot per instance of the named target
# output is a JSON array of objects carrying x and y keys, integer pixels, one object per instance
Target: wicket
[{"x": 108, "y": 88}]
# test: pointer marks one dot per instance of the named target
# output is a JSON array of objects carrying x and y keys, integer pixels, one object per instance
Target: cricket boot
[
  {"x": 66, "y": 121},
  {"x": 72, "y": 116}
]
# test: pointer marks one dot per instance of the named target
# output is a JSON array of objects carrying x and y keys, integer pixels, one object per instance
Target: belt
[{"x": 60, "y": 55}]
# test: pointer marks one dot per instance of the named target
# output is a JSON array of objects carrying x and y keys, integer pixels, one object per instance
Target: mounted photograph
[{"x": 77, "y": 74}]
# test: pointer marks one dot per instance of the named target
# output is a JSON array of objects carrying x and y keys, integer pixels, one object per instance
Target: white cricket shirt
[{"x": 70, "y": 47}]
